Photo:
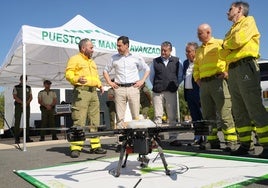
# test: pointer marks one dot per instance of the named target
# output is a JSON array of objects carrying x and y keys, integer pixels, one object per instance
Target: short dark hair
[
  {"x": 47, "y": 82},
  {"x": 22, "y": 77},
  {"x": 82, "y": 43},
  {"x": 167, "y": 43},
  {"x": 125, "y": 40}
]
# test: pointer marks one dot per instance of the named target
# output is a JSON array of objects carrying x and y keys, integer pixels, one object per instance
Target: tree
[{"x": 184, "y": 110}]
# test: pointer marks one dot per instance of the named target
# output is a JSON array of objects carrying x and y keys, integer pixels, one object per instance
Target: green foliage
[
  {"x": 151, "y": 113},
  {"x": 184, "y": 110}
]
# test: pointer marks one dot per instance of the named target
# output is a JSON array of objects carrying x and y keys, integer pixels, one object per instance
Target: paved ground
[{"x": 51, "y": 153}]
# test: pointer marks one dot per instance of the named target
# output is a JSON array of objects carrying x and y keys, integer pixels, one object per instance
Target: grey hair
[
  {"x": 243, "y": 4},
  {"x": 194, "y": 44}
]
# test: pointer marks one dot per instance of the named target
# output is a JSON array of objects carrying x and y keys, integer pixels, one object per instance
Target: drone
[{"x": 140, "y": 137}]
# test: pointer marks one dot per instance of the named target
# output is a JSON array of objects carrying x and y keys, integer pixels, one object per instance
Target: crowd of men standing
[
  {"x": 221, "y": 85},
  {"x": 222, "y": 75}
]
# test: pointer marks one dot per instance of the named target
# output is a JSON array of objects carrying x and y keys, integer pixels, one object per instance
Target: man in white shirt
[{"x": 127, "y": 81}]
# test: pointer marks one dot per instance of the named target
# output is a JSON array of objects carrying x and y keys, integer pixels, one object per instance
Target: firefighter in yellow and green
[
  {"x": 241, "y": 51},
  {"x": 82, "y": 73},
  {"x": 211, "y": 75}
]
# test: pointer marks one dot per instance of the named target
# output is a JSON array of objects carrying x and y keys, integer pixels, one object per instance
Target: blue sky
[{"x": 149, "y": 21}]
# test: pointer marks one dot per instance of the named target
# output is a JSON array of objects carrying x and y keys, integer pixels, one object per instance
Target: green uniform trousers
[
  {"x": 216, "y": 105},
  {"x": 244, "y": 84},
  {"x": 86, "y": 111},
  {"x": 18, "y": 114},
  {"x": 48, "y": 120}
]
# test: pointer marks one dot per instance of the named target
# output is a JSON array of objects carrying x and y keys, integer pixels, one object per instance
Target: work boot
[
  {"x": 197, "y": 142},
  {"x": 42, "y": 138},
  {"x": 55, "y": 138},
  {"x": 242, "y": 150},
  {"x": 230, "y": 146},
  {"x": 264, "y": 153},
  {"x": 97, "y": 151},
  {"x": 17, "y": 140},
  {"x": 75, "y": 154},
  {"x": 28, "y": 139},
  {"x": 210, "y": 145}
]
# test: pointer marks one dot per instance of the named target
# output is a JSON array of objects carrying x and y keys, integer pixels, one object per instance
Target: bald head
[
  {"x": 204, "y": 27},
  {"x": 204, "y": 33}
]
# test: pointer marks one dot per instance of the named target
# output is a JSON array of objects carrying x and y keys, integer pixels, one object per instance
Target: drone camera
[{"x": 142, "y": 146}]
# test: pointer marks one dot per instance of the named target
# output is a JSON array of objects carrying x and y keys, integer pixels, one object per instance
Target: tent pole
[{"x": 24, "y": 94}]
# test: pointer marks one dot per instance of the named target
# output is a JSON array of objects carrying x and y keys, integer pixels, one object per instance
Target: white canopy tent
[
  {"x": 47, "y": 51},
  {"x": 42, "y": 53}
]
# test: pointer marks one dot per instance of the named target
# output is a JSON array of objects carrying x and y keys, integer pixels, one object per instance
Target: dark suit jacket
[{"x": 195, "y": 86}]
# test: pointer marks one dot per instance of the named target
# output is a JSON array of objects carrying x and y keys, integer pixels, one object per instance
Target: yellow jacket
[
  {"x": 241, "y": 41},
  {"x": 79, "y": 65},
  {"x": 207, "y": 62}
]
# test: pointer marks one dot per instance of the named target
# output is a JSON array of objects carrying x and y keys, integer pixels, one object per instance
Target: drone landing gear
[
  {"x": 128, "y": 147},
  {"x": 139, "y": 140},
  {"x": 144, "y": 160}
]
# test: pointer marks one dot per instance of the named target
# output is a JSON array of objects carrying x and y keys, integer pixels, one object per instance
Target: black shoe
[
  {"x": 242, "y": 150},
  {"x": 196, "y": 142},
  {"x": 29, "y": 140},
  {"x": 175, "y": 143},
  {"x": 54, "y": 138},
  {"x": 17, "y": 140},
  {"x": 98, "y": 151},
  {"x": 42, "y": 138},
  {"x": 75, "y": 154}
]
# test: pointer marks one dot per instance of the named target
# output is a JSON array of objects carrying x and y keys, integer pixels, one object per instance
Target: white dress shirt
[{"x": 188, "y": 76}]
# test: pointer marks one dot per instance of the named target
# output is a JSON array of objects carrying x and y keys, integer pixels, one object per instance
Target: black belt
[
  {"x": 239, "y": 62},
  {"x": 213, "y": 77},
  {"x": 86, "y": 88},
  {"x": 126, "y": 85}
]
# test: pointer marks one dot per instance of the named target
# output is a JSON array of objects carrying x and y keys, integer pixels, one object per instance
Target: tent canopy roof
[{"x": 45, "y": 52}]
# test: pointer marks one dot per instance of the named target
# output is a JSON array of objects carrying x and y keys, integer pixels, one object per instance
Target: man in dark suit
[{"x": 191, "y": 89}]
